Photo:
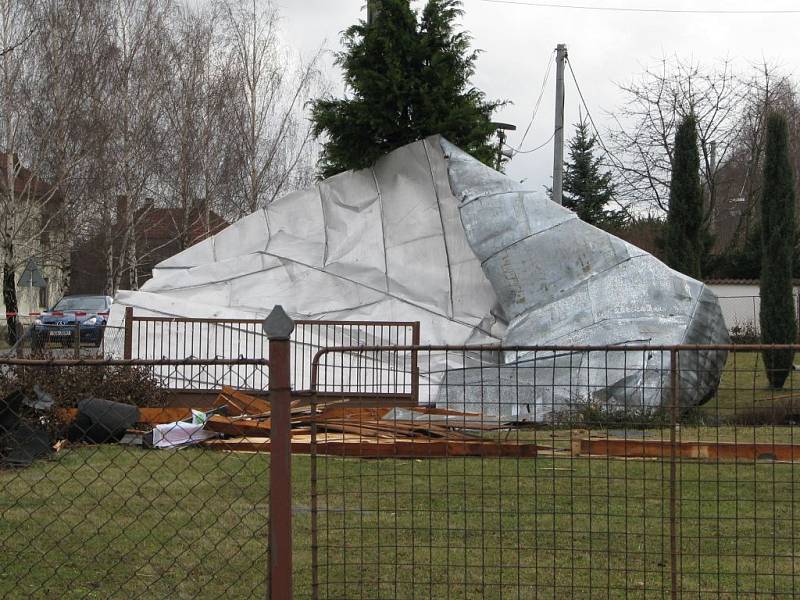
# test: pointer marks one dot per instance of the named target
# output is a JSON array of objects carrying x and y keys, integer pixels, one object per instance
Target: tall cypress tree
[
  {"x": 407, "y": 78},
  {"x": 778, "y": 324},
  {"x": 683, "y": 240},
  {"x": 587, "y": 191}
]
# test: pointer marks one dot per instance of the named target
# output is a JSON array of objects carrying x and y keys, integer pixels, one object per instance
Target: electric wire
[
  {"x": 617, "y": 163},
  {"x": 588, "y": 112},
  {"x": 539, "y": 99},
  {"x": 631, "y": 9},
  {"x": 539, "y": 147}
]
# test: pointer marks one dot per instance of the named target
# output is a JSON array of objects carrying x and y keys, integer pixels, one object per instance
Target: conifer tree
[
  {"x": 587, "y": 191},
  {"x": 407, "y": 77},
  {"x": 684, "y": 239},
  {"x": 778, "y": 324}
]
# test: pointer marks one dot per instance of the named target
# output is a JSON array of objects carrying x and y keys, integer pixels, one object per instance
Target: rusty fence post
[
  {"x": 314, "y": 490},
  {"x": 415, "y": 363},
  {"x": 77, "y": 341},
  {"x": 278, "y": 327},
  {"x": 127, "y": 349},
  {"x": 674, "y": 407},
  {"x": 797, "y": 306}
]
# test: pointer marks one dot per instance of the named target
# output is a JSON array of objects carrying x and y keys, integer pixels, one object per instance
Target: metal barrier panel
[
  {"x": 165, "y": 337},
  {"x": 157, "y": 337},
  {"x": 567, "y": 472}
]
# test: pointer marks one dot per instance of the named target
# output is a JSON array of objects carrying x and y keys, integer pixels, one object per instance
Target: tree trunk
[
  {"x": 66, "y": 273},
  {"x": 110, "y": 290},
  {"x": 133, "y": 264},
  {"x": 10, "y": 291}
]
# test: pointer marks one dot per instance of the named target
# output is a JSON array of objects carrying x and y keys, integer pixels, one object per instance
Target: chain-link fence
[
  {"x": 742, "y": 312},
  {"x": 111, "y": 489},
  {"x": 562, "y": 472}
]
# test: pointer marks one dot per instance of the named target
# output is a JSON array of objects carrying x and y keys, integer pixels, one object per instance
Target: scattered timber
[
  {"x": 715, "y": 451},
  {"x": 365, "y": 447},
  {"x": 345, "y": 430}
]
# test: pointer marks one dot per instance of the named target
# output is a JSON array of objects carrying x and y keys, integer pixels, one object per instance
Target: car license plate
[{"x": 60, "y": 333}]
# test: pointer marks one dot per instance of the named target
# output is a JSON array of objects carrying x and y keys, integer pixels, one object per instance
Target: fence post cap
[{"x": 278, "y": 325}]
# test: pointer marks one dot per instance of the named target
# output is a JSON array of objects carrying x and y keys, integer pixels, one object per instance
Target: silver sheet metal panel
[
  {"x": 563, "y": 282},
  {"x": 429, "y": 234},
  {"x": 384, "y": 243}
]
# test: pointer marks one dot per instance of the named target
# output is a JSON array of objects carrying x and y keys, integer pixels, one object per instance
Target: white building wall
[{"x": 741, "y": 303}]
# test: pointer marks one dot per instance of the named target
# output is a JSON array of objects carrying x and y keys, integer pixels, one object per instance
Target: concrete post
[{"x": 558, "y": 136}]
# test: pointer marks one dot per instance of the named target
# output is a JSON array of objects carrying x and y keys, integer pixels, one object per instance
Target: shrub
[
  {"x": 684, "y": 243},
  {"x": 67, "y": 385},
  {"x": 778, "y": 324},
  {"x": 744, "y": 333}
]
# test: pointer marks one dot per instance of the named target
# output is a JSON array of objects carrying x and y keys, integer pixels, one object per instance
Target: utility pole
[
  {"x": 501, "y": 140},
  {"x": 558, "y": 144}
]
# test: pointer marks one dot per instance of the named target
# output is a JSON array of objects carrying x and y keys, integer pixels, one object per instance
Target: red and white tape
[{"x": 56, "y": 313}]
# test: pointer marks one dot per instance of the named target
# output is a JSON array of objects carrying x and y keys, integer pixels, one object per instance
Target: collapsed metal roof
[{"x": 430, "y": 234}]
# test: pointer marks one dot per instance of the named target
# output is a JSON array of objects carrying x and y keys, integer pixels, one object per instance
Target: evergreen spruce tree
[
  {"x": 587, "y": 191},
  {"x": 778, "y": 324},
  {"x": 684, "y": 239},
  {"x": 407, "y": 78}
]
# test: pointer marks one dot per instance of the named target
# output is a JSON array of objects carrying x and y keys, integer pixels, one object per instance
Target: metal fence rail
[
  {"x": 550, "y": 476},
  {"x": 173, "y": 337}
]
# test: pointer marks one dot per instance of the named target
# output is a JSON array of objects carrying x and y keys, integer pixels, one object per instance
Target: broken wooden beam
[
  {"x": 357, "y": 446},
  {"x": 239, "y": 403},
  {"x": 695, "y": 450},
  {"x": 238, "y": 427}
]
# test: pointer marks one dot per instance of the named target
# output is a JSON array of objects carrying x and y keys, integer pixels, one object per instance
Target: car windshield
[{"x": 87, "y": 303}]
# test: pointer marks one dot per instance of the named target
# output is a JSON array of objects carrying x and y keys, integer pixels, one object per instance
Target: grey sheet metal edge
[{"x": 562, "y": 281}]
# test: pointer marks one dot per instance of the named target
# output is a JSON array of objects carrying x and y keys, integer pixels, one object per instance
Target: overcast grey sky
[{"x": 604, "y": 48}]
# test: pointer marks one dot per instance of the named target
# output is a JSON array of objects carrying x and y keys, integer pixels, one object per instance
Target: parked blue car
[{"x": 59, "y": 324}]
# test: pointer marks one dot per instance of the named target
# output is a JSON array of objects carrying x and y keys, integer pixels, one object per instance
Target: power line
[
  {"x": 597, "y": 134},
  {"x": 539, "y": 99},
  {"x": 678, "y": 11},
  {"x": 539, "y": 147},
  {"x": 588, "y": 112}
]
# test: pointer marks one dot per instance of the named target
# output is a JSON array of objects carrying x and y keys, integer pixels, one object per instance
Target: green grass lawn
[
  {"x": 744, "y": 388},
  {"x": 116, "y": 522}
]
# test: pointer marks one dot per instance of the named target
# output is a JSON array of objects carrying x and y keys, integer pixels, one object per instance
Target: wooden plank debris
[
  {"x": 733, "y": 451},
  {"x": 347, "y": 430},
  {"x": 239, "y": 403},
  {"x": 358, "y": 446},
  {"x": 238, "y": 427}
]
